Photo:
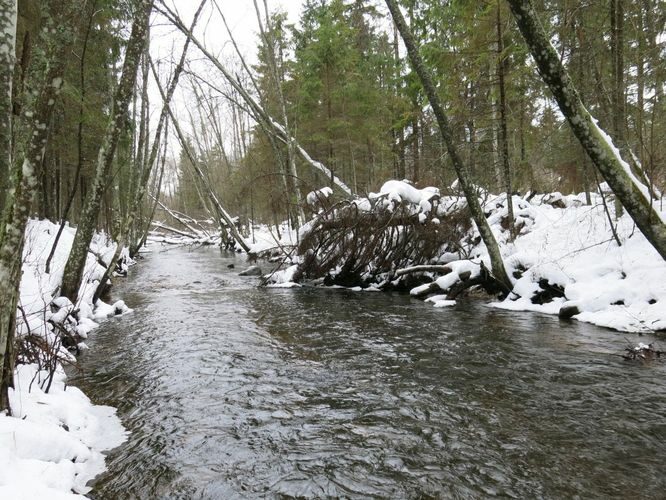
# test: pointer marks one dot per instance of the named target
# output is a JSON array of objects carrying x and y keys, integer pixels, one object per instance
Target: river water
[{"x": 233, "y": 391}]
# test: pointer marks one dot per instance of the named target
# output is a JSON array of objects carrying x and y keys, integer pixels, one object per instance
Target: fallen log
[
  {"x": 423, "y": 269},
  {"x": 161, "y": 225}
]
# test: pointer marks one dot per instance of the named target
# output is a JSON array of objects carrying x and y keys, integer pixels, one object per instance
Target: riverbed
[{"x": 234, "y": 391}]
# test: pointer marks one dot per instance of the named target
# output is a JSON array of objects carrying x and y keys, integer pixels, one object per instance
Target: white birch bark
[{"x": 8, "y": 12}]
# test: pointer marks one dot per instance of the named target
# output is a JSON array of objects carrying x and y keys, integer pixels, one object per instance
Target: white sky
[{"x": 240, "y": 16}]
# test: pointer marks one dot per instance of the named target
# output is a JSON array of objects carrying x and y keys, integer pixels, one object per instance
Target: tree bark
[
  {"x": 8, "y": 14},
  {"x": 462, "y": 172},
  {"x": 633, "y": 195},
  {"x": 73, "y": 274}
]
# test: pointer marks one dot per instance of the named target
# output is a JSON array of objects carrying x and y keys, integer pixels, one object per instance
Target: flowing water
[{"x": 234, "y": 391}]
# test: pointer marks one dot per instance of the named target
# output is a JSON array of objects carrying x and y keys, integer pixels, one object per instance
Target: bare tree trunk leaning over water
[{"x": 498, "y": 270}]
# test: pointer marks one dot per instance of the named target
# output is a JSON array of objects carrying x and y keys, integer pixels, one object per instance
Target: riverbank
[
  {"x": 53, "y": 443},
  {"x": 564, "y": 260}
]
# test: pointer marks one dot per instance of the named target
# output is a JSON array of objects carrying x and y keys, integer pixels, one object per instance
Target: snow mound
[
  {"x": 316, "y": 196},
  {"x": 399, "y": 191},
  {"x": 53, "y": 444}
]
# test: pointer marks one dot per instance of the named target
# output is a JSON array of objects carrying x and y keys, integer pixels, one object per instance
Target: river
[{"x": 235, "y": 391}]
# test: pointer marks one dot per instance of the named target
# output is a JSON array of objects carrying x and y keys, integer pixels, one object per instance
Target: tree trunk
[
  {"x": 155, "y": 146},
  {"x": 503, "y": 134},
  {"x": 8, "y": 13},
  {"x": 222, "y": 214},
  {"x": 75, "y": 264},
  {"x": 25, "y": 185},
  {"x": 486, "y": 233},
  {"x": 257, "y": 111},
  {"x": 633, "y": 195}
]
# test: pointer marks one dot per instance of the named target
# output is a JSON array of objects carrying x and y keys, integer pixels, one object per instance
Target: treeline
[{"x": 352, "y": 100}]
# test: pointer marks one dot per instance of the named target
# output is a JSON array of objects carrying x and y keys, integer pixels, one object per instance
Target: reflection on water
[{"x": 231, "y": 391}]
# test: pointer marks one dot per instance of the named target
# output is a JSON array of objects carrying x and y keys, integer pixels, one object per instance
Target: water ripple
[{"x": 230, "y": 391}]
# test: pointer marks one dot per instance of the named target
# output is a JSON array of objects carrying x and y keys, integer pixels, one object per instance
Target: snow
[
  {"x": 267, "y": 238},
  {"x": 625, "y": 166},
  {"x": 52, "y": 445},
  {"x": 440, "y": 301},
  {"x": 562, "y": 244},
  {"x": 314, "y": 197},
  {"x": 399, "y": 191},
  {"x": 284, "y": 278},
  {"x": 617, "y": 287}
]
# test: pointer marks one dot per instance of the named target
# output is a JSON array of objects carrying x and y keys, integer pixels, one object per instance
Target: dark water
[{"x": 231, "y": 391}]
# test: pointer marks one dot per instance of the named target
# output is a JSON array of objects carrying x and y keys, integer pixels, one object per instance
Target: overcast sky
[{"x": 240, "y": 16}]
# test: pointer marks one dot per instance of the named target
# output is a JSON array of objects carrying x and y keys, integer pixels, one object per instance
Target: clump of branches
[
  {"x": 642, "y": 352},
  {"x": 51, "y": 347},
  {"x": 348, "y": 245}
]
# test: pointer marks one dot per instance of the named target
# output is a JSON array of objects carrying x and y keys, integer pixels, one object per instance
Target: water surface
[{"x": 232, "y": 391}]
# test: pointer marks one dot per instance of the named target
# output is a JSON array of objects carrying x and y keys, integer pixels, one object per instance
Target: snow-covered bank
[
  {"x": 564, "y": 257},
  {"x": 52, "y": 445},
  {"x": 620, "y": 287}
]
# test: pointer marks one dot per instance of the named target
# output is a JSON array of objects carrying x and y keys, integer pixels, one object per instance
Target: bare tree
[
  {"x": 73, "y": 274},
  {"x": 24, "y": 183},
  {"x": 221, "y": 212},
  {"x": 257, "y": 111}
]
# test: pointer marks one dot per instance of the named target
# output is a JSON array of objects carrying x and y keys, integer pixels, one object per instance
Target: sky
[{"x": 240, "y": 15}]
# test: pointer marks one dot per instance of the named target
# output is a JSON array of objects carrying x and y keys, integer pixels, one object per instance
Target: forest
[{"x": 507, "y": 151}]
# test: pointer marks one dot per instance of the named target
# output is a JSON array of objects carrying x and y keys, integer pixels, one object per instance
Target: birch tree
[
  {"x": 144, "y": 162},
  {"x": 8, "y": 13},
  {"x": 222, "y": 214},
  {"x": 23, "y": 188},
  {"x": 634, "y": 195},
  {"x": 73, "y": 274},
  {"x": 461, "y": 169},
  {"x": 258, "y": 112}
]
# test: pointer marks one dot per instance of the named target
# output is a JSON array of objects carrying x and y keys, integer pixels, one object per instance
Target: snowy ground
[
  {"x": 52, "y": 445},
  {"x": 621, "y": 287}
]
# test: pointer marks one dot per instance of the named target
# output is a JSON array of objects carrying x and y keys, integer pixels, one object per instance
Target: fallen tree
[{"x": 268, "y": 123}]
